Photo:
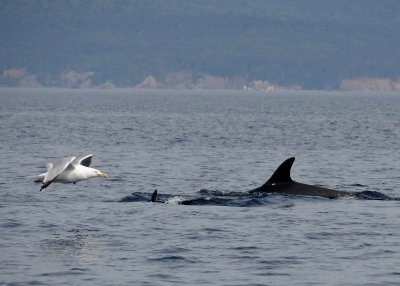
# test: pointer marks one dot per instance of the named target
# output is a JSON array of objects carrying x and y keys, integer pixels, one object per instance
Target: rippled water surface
[{"x": 180, "y": 143}]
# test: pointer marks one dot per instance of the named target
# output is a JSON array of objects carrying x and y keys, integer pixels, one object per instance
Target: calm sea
[{"x": 180, "y": 143}]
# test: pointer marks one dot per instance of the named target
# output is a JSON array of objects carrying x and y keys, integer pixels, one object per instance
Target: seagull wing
[
  {"x": 54, "y": 170},
  {"x": 49, "y": 166},
  {"x": 38, "y": 178},
  {"x": 84, "y": 160}
]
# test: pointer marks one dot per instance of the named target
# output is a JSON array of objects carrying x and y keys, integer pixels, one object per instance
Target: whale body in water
[
  {"x": 279, "y": 183},
  {"x": 282, "y": 183}
]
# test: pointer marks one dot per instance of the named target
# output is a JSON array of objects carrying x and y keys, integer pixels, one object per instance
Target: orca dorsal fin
[
  {"x": 154, "y": 197},
  {"x": 282, "y": 174}
]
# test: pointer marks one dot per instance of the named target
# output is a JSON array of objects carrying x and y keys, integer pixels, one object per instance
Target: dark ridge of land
[{"x": 236, "y": 44}]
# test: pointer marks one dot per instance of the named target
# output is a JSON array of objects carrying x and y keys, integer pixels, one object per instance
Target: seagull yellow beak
[{"x": 103, "y": 175}]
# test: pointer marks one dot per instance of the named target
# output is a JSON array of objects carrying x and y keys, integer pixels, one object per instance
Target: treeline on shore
[{"x": 307, "y": 44}]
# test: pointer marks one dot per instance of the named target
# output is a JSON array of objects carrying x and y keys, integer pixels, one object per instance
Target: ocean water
[{"x": 198, "y": 144}]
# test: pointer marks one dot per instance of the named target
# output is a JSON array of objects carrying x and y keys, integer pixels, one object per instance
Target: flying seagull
[{"x": 69, "y": 170}]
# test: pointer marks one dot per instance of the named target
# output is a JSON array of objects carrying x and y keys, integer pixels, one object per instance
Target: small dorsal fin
[
  {"x": 282, "y": 174},
  {"x": 154, "y": 196}
]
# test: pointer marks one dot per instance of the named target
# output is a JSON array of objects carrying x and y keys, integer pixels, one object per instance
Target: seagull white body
[
  {"x": 69, "y": 170},
  {"x": 76, "y": 174}
]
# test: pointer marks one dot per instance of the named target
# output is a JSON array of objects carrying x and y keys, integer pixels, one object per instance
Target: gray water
[{"x": 180, "y": 143}]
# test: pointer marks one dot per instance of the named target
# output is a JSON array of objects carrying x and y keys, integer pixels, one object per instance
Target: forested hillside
[{"x": 309, "y": 43}]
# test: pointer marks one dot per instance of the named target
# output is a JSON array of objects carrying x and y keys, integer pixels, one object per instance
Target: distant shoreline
[
  {"x": 185, "y": 80},
  {"x": 198, "y": 91}
]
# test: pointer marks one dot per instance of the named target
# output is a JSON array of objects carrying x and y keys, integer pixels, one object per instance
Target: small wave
[
  {"x": 73, "y": 272},
  {"x": 372, "y": 195},
  {"x": 171, "y": 258},
  {"x": 176, "y": 200},
  {"x": 205, "y": 192},
  {"x": 358, "y": 185},
  {"x": 71, "y": 245},
  {"x": 136, "y": 197},
  {"x": 10, "y": 223}
]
